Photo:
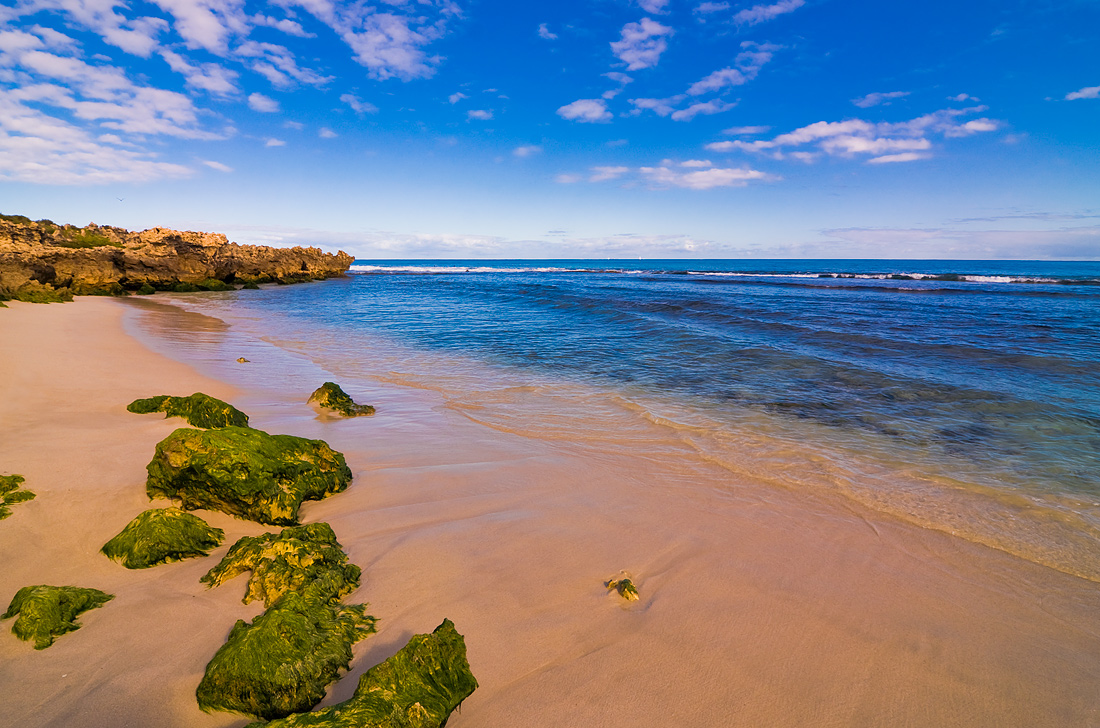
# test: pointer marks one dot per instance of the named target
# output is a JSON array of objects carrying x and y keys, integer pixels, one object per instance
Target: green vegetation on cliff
[
  {"x": 419, "y": 687},
  {"x": 11, "y": 493},
  {"x": 161, "y": 535},
  {"x": 74, "y": 237},
  {"x": 282, "y": 662},
  {"x": 200, "y": 410},
  {"x": 246, "y": 473},
  {"x": 330, "y": 396},
  {"x": 288, "y": 561},
  {"x": 47, "y": 612}
]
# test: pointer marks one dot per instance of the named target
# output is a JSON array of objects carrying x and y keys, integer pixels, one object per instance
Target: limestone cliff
[{"x": 44, "y": 261}]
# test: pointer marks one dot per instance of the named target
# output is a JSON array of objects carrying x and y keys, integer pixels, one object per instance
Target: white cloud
[
  {"x": 746, "y": 130},
  {"x": 749, "y": 61},
  {"x": 697, "y": 163},
  {"x": 358, "y": 105},
  {"x": 456, "y": 97},
  {"x": 278, "y": 65},
  {"x": 656, "y": 7},
  {"x": 963, "y": 97},
  {"x": 660, "y": 107},
  {"x": 273, "y": 142},
  {"x": 526, "y": 151},
  {"x": 714, "y": 106},
  {"x": 545, "y": 34},
  {"x": 295, "y": 125},
  {"x": 709, "y": 8},
  {"x": 761, "y": 13},
  {"x": 217, "y": 165},
  {"x": 206, "y": 77},
  {"x": 642, "y": 44},
  {"x": 586, "y": 110},
  {"x": 603, "y": 174},
  {"x": 284, "y": 25},
  {"x": 703, "y": 179},
  {"x": 1089, "y": 92},
  {"x": 902, "y": 157},
  {"x": 877, "y": 99},
  {"x": 207, "y": 24},
  {"x": 261, "y": 103},
  {"x": 567, "y": 179},
  {"x": 326, "y": 133},
  {"x": 481, "y": 114}
]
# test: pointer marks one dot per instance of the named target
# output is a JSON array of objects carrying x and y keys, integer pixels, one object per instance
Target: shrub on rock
[
  {"x": 47, "y": 612},
  {"x": 200, "y": 410},
  {"x": 246, "y": 473},
  {"x": 161, "y": 535},
  {"x": 418, "y": 687},
  {"x": 330, "y": 396},
  {"x": 11, "y": 493},
  {"x": 288, "y": 561}
]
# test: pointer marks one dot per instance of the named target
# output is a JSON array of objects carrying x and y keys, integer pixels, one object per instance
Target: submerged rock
[
  {"x": 47, "y": 612},
  {"x": 330, "y": 396},
  {"x": 245, "y": 472},
  {"x": 625, "y": 587},
  {"x": 11, "y": 493},
  {"x": 161, "y": 535},
  {"x": 200, "y": 410},
  {"x": 283, "y": 661},
  {"x": 419, "y": 687},
  {"x": 288, "y": 561}
]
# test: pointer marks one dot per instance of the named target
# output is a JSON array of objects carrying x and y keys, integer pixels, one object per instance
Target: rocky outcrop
[{"x": 103, "y": 260}]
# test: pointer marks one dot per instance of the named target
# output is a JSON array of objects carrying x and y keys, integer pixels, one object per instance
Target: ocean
[{"x": 962, "y": 396}]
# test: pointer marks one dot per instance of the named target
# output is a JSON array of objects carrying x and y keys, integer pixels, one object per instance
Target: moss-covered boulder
[
  {"x": 418, "y": 687},
  {"x": 213, "y": 284},
  {"x": 246, "y": 473},
  {"x": 11, "y": 493},
  {"x": 47, "y": 612},
  {"x": 200, "y": 410},
  {"x": 288, "y": 561},
  {"x": 161, "y": 535},
  {"x": 283, "y": 661},
  {"x": 331, "y": 397}
]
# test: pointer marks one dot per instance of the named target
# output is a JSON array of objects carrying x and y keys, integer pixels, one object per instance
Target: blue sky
[{"x": 621, "y": 128}]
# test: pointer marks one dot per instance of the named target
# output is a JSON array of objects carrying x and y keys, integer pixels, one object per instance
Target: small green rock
[
  {"x": 282, "y": 662},
  {"x": 330, "y": 396},
  {"x": 246, "y": 473},
  {"x": 11, "y": 493},
  {"x": 288, "y": 561},
  {"x": 47, "y": 612},
  {"x": 162, "y": 535},
  {"x": 625, "y": 587},
  {"x": 419, "y": 687},
  {"x": 146, "y": 290},
  {"x": 250, "y": 286},
  {"x": 200, "y": 410}
]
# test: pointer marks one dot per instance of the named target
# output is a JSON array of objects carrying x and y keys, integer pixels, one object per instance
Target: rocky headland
[{"x": 42, "y": 261}]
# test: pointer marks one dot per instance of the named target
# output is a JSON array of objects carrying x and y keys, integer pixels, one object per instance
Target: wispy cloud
[
  {"x": 653, "y": 6},
  {"x": 1089, "y": 92},
  {"x": 273, "y": 142},
  {"x": 358, "y": 105},
  {"x": 456, "y": 97},
  {"x": 641, "y": 44},
  {"x": 326, "y": 133},
  {"x": 714, "y": 106},
  {"x": 747, "y": 65},
  {"x": 879, "y": 99},
  {"x": 760, "y": 13},
  {"x": 603, "y": 174},
  {"x": 709, "y": 8},
  {"x": 217, "y": 165},
  {"x": 479, "y": 114},
  {"x": 693, "y": 174},
  {"x": 528, "y": 150},
  {"x": 586, "y": 110},
  {"x": 259, "y": 102},
  {"x": 545, "y": 34},
  {"x": 746, "y": 130}
]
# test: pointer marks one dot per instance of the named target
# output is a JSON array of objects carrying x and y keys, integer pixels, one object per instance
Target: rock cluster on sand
[
  {"x": 331, "y": 397},
  {"x": 47, "y": 612},
  {"x": 45, "y": 262},
  {"x": 200, "y": 410},
  {"x": 160, "y": 536},
  {"x": 11, "y": 493}
]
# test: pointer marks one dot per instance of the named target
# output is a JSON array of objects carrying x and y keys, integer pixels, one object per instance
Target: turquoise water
[{"x": 963, "y": 396}]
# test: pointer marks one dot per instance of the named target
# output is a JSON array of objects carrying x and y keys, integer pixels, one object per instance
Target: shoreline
[{"x": 757, "y": 608}]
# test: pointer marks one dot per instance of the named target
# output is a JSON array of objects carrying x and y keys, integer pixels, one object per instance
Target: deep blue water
[{"x": 986, "y": 374}]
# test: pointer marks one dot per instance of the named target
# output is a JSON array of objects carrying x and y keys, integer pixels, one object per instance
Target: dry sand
[{"x": 759, "y": 606}]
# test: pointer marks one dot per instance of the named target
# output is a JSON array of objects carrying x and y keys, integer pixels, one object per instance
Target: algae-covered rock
[
  {"x": 418, "y": 687},
  {"x": 146, "y": 289},
  {"x": 200, "y": 410},
  {"x": 288, "y": 561},
  {"x": 47, "y": 612},
  {"x": 246, "y": 473},
  {"x": 161, "y": 535},
  {"x": 213, "y": 284},
  {"x": 330, "y": 396},
  {"x": 11, "y": 493},
  {"x": 282, "y": 662},
  {"x": 625, "y": 586}
]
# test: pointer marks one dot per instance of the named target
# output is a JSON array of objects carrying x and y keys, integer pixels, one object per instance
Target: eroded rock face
[{"x": 109, "y": 260}]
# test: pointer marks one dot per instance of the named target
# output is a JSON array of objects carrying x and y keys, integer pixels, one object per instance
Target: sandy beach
[{"x": 760, "y": 606}]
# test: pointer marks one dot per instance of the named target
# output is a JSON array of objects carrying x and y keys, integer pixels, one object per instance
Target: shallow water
[{"x": 960, "y": 396}]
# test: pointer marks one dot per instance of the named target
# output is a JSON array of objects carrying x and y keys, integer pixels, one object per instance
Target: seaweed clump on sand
[
  {"x": 161, "y": 535},
  {"x": 246, "y": 473},
  {"x": 47, "y": 612},
  {"x": 419, "y": 687},
  {"x": 624, "y": 586},
  {"x": 11, "y": 493},
  {"x": 200, "y": 410},
  {"x": 282, "y": 662},
  {"x": 286, "y": 562},
  {"x": 330, "y": 396}
]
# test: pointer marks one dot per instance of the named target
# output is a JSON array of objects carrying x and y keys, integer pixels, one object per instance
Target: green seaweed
[
  {"x": 146, "y": 290},
  {"x": 200, "y": 410},
  {"x": 213, "y": 284},
  {"x": 250, "y": 286},
  {"x": 419, "y": 687},
  {"x": 11, "y": 493},
  {"x": 625, "y": 587},
  {"x": 35, "y": 292},
  {"x": 246, "y": 473},
  {"x": 47, "y": 612},
  {"x": 282, "y": 662},
  {"x": 330, "y": 396},
  {"x": 288, "y": 561},
  {"x": 162, "y": 535}
]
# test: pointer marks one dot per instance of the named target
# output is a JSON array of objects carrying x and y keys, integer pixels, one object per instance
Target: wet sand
[{"x": 760, "y": 606}]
